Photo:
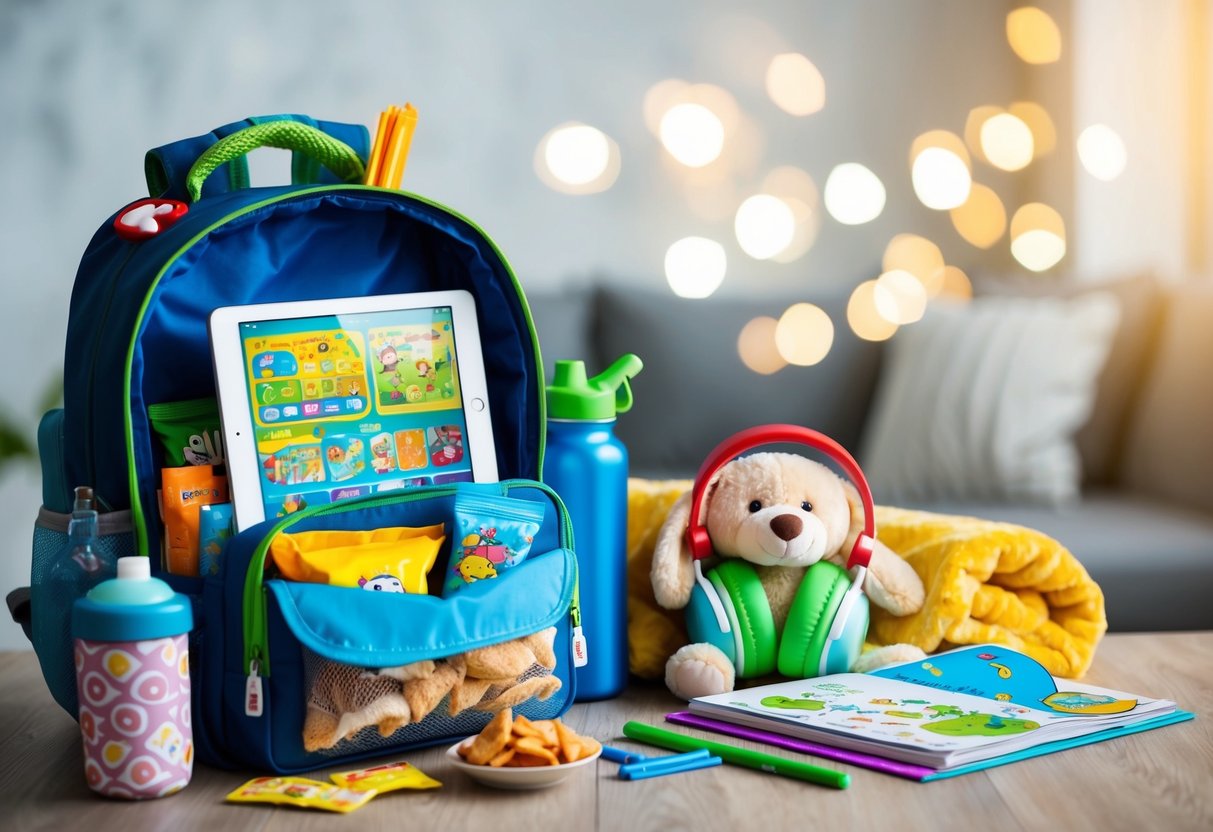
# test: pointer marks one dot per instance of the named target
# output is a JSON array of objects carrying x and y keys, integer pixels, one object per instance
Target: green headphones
[{"x": 828, "y": 619}]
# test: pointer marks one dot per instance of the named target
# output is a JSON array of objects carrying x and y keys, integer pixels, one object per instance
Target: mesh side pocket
[
  {"x": 52, "y": 593},
  {"x": 355, "y": 710}
]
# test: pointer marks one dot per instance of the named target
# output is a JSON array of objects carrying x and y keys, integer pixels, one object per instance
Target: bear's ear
[{"x": 672, "y": 574}]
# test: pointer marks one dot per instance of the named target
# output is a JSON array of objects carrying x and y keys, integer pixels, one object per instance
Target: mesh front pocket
[
  {"x": 355, "y": 710},
  {"x": 54, "y": 590}
]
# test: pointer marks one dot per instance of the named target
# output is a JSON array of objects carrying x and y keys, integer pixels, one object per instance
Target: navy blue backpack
[{"x": 137, "y": 337}]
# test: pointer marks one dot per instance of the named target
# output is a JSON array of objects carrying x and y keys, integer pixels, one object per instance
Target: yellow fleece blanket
[{"x": 984, "y": 581}]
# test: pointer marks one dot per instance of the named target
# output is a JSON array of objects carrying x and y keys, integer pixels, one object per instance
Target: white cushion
[{"x": 982, "y": 401}]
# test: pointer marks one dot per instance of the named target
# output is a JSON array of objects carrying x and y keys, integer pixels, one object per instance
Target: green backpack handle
[{"x": 335, "y": 155}]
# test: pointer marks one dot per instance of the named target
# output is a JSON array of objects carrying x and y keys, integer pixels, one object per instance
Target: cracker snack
[{"x": 517, "y": 741}]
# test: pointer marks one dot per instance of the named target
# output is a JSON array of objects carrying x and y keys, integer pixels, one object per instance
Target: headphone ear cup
[
  {"x": 702, "y": 624},
  {"x": 752, "y": 643},
  {"x": 807, "y": 629}
]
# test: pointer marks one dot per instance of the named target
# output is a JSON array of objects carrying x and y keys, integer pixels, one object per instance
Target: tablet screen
[{"x": 344, "y": 405}]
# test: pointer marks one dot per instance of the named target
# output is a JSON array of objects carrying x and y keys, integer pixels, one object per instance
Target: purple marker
[{"x": 855, "y": 758}]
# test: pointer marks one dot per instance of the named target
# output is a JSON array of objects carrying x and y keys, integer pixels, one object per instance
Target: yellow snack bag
[
  {"x": 395, "y": 559},
  {"x": 386, "y": 778},
  {"x": 299, "y": 791}
]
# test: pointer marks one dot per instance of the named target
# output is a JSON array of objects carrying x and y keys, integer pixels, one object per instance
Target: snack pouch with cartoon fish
[{"x": 492, "y": 533}]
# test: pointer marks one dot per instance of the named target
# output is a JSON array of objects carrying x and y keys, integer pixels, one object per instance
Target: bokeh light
[
  {"x": 863, "y": 316},
  {"x": 796, "y": 188},
  {"x": 804, "y": 334},
  {"x": 795, "y": 85},
  {"x": 576, "y": 158},
  {"x": 1007, "y": 142},
  {"x": 955, "y": 285},
  {"x": 945, "y": 139},
  {"x": 916, "y": 255},
  {"x": 982, "y": 220},
  {"x": 941, "y": 178},
  {"x": 1102, "y": 152},
  {"x": 1038, "y": 236},
  {"x": 756, "y": 346},
  {"x": 695, "y": 267},
  {"x": 1044, "y": 134},
  {"x": 660, "y": 98},
  {"x": 900, "y": 297},
  {"x": 692, "y": 134},
  {"x": 765, "y": 226},
  {"x": 853, "y": 194},
  {"x": 1033, "y": 35},
  {"x": 976, "y": 118}
]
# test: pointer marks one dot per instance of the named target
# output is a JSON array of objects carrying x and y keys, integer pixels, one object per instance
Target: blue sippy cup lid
[{"x": 132, "y": 607}]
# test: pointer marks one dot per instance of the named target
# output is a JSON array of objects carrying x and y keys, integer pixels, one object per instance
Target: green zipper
[
  {"x": 255, "y": 617},
  {"x": 137, "y": 515}
]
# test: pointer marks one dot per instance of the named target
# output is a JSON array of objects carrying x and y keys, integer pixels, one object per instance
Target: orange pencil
[{"x": 385, "y": 162}]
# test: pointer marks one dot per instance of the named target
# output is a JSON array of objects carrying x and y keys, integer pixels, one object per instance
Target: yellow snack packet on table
[
  {"x": 301, "y": 792},
  {"x": 386, "y": 778},
  {"x": 369, "y": 559}
]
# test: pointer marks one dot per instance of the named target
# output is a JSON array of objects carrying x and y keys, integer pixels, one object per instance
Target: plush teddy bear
[
  {"x": 344, "y": 698},
  {"x": 783, "y": 513}
]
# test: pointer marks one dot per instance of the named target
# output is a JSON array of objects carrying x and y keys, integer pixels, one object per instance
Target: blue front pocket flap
[{"x": 376, "y": 629}]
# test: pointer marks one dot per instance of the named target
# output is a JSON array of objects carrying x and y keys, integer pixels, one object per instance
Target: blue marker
[
  {"x": 668, "y": 761},
  {"x": 640, "y": 771},
  {"x": 618, "y": 755}
]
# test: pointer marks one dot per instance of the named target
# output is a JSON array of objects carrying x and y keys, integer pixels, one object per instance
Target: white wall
[
  {"x": 1129, "y": 73},
  {"x": 86, "y": 88}
]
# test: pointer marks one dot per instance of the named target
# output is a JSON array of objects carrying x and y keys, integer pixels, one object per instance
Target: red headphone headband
[{"x": 728, "y": 450}]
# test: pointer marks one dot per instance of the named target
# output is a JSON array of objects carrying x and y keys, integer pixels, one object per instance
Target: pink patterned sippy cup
[{"x": 133, "y": 681}]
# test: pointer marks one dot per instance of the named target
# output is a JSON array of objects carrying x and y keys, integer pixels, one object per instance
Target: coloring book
[{"x": 955, "y": 709}]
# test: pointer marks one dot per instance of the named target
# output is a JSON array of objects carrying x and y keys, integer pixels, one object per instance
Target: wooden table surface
[{"x": 1160, "y": 779}]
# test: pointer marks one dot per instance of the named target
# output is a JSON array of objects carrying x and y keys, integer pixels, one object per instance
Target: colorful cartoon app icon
[
  {"x": 410, "y": 449},
  {"x": 445, "y": 444},
  {"x": 382, "y": 453},
  {"x": 345, "y": 457}
]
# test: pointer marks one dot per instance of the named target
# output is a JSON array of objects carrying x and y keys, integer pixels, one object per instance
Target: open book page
[
  {"x": 995, "y": 672},
  {"x": 945, "y": 719}
]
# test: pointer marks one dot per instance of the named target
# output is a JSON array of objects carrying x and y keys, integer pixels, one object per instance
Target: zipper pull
[
  {"x": 580, "y": 655},
  {"x": 253, "y": 700}
]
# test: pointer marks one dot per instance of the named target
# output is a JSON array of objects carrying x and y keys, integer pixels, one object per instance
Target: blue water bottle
[{"x": 588, "y": 467}]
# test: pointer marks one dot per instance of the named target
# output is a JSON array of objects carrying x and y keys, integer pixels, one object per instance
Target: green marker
[{"x": 642, "y": 732}]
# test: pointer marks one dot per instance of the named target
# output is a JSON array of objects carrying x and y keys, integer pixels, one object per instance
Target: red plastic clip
[{"x": 148, "y": 217}]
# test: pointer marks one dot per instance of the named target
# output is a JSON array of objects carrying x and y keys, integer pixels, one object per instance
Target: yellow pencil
[
  {"x": 402, "y": 139},
  {"x": 373, "y": 163}
]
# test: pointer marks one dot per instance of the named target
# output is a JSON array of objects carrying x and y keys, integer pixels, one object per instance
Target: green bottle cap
[{"x": 572, "y": 396}]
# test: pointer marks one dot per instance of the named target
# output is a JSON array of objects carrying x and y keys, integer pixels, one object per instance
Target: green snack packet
[{"x": 189, "y": 432}]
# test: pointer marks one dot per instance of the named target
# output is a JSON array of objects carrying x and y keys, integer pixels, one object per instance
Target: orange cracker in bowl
[
  {"x": 535, "y": 747},
  {"x": 492, "y": 740}
]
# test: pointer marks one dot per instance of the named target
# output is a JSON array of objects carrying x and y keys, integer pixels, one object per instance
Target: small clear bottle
[{"x": 80, "y": 566}]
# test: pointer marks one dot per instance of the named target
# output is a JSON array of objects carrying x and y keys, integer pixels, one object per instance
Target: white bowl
[{"x": 506, "y": 777}]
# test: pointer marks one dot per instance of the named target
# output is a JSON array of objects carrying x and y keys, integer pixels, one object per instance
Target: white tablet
[{"x": 330, "y": 399}]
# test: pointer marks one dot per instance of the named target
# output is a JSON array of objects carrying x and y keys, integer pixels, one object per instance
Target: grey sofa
[{"x": 1144, "y": 525}]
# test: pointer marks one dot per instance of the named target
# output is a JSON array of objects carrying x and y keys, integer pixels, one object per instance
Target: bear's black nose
[{"x": 786, "y": 526}]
